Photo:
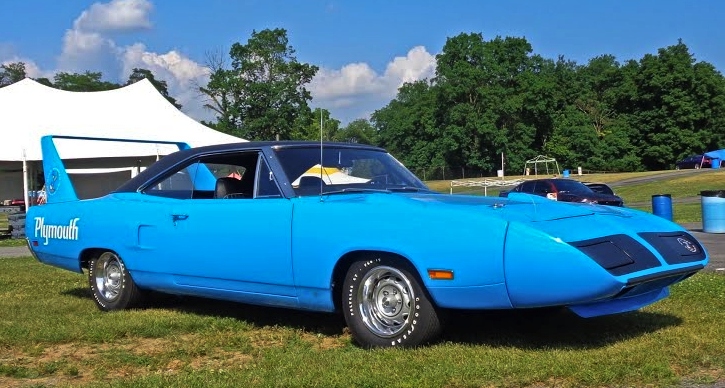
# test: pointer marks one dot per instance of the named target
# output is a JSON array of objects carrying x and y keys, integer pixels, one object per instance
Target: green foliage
[
  {"x": 262, "y": 96},
  {"x": 358, "y": 131},
  {"x": 11, "y": 73},
  {"x": 160, "y": 85},
  {"x": 407, "y": 127},
  {"x": 86, "y": 82},
  {"x": 498, "y": 96},
  {"x": 309, "y": 128}
]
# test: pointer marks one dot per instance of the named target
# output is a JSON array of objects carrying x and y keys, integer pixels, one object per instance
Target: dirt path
[{"x": 13, "y": 252}]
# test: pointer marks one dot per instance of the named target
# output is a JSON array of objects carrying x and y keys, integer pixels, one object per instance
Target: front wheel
[
  {"x": 385, "y": 306},
  {"x": 111, "y": 284}
]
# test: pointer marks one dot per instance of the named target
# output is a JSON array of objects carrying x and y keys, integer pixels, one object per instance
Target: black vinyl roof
[{"x": 180, "y": 156}]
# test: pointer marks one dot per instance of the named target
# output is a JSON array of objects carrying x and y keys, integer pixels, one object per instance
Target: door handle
[{"x": 179, "y": 217}]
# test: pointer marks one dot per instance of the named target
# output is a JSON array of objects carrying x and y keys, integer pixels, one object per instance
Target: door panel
[{"x": 235, "y": 244}]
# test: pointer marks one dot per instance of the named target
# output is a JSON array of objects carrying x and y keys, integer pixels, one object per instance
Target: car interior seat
[
  {"x": 310, "y": 185},
  {"x": 229, "y": 187}
]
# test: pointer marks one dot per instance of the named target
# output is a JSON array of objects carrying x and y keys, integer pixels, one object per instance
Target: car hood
[
  {"x": 601, "y": 197},
  {"x": 521, "y": 207}
]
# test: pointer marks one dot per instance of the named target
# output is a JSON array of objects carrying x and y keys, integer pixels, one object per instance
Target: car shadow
[
  {"x": 550, "y": 328},
  {"x": 260, "y": 316},
  {"x": 543, "y": 328}
]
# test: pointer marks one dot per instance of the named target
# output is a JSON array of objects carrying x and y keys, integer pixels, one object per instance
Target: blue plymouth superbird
[{"x": 346, "y": 227}]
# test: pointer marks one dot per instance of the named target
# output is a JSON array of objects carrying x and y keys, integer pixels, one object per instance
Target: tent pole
[{"x": 25, "y": 181}]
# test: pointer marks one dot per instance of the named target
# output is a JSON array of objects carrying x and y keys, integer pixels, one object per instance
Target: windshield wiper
[{"x": 356, "y": 190}]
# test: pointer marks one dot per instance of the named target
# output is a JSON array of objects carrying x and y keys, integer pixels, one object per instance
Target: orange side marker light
[{"x": 440, "y": 274}]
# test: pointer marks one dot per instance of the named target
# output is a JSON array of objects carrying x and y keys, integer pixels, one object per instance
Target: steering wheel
[{"x": 379, "y": 180}]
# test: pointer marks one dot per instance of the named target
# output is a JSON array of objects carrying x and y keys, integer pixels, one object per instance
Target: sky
[{"x": 365, "y": 50}]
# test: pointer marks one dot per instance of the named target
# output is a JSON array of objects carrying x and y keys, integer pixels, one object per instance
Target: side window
[
  {"x": 177, "y": 185},
  {"x": 542, "y": 188},
  {"x": 266, "y": 184},
  {"x": 220, "y": 176},
  {"x": 528, "y": 187}
]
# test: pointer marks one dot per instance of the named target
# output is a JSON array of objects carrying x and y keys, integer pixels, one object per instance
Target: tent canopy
[
  {"x": 30, "y": 110},
  {"x": 719, "y": 154},
  {"x": 542, "y": 159}
]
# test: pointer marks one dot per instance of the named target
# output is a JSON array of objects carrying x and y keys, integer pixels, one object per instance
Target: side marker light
[{"x": 440, "y": 274}]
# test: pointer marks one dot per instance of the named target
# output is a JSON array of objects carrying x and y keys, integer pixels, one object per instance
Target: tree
[
  {"x": 309, "y": 129},
  {"x": 11, "y": 73},
  {"x": 263, "y": 95},
  {"x": 358, "y": 131},
  {"x": 86, "y": 82},
  {"x": 669, "y": 115},
  {"x": 407, "y": 127},
  {"x": 493, "y": 97},
  {"x": 160, "y": 85}
]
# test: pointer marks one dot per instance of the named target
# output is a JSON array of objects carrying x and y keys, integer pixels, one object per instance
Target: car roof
[
  {"x": 551, "y": 180},
  {"x": 175, "y": 158}
]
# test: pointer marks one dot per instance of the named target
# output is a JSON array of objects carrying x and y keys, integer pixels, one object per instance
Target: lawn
[
  {"x": 3, "y": 223},
  {"x": 52, "y": 334}
]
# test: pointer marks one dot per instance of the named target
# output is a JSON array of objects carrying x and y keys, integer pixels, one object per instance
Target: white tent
[{"x": 30, "y": 110}]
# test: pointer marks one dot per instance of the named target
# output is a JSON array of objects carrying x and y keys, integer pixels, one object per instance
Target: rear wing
[{"x": 58, "y": 186}]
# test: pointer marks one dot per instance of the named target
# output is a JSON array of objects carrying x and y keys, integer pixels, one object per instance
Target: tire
[
  {"x": 111, "y": 284},
  {"x": 368, "y": 290}
]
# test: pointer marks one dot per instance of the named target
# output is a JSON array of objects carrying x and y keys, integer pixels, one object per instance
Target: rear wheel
[
  {"x": 111, "y": 284},
  {"x": 385, "y": 306}
]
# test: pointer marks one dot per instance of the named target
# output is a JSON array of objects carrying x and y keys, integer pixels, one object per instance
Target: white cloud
[
  {"x": 417, "y": 65},
  {"x": 85, "y": 45},
  {"x": 32, "y": 69},
  {"x": 182, "y": 75},
  {"x": 182, "y": 68},
  {"x": 350, "y": 92},
  {"x": 87, "y": 51},
  {"x": 117, "y": 15},
  {"x": 356, "y": 89}
]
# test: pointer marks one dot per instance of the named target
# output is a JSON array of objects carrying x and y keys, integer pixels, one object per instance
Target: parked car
[
  {"x": 18, "y": 202},
  {"x": 346, "y": 228},
  {"x": 694, "y": 161},
  {"x": 601, "y": 188},
  {"x": 566, "y": 190}
]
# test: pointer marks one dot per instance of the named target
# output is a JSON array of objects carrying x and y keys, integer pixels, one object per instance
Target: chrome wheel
[
  {"x": 385, "y": 300},
  {"x": 109, "y": 276}
]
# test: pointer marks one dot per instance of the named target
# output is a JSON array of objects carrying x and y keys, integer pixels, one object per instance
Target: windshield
[
  {"x": 344, "y": 169},
  {"x": 571, "y": 186}
]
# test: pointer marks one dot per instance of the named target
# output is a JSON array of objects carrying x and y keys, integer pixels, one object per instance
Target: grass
[
  {"x": 3, "y": 222},
  {"x": 52, "y": 334}
]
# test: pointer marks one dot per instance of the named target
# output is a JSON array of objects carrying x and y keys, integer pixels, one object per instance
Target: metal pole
[
  {"x": 25, "y": 180},
  {"x": 502, "y": 168}
]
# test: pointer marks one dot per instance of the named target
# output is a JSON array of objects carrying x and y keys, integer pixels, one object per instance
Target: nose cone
[{"x": 545, "y": 271}]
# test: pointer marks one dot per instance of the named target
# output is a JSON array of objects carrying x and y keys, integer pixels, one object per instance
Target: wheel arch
[
  {"x": 89, "y": 253},
  {"x": 344, "y": 263}
]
